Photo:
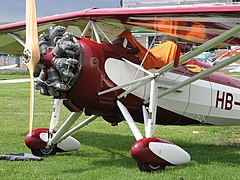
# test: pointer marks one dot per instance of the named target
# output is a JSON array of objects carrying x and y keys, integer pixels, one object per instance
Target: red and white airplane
[{"x": 100, "y": 75}]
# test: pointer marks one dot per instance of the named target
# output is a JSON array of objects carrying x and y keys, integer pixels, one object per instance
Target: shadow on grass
[
  {"x": 113, "y": 150},
  {"x": 118, "y": 146}
]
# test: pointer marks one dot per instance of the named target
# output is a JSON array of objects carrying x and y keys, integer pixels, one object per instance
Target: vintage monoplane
[{"x": 105, "y": 72}]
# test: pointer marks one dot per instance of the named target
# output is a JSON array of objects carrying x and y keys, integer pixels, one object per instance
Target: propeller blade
[{"x": 31, "y": 54}]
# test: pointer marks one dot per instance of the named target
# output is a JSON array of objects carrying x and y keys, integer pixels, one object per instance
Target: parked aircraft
[{"x": 105, "y": 72}]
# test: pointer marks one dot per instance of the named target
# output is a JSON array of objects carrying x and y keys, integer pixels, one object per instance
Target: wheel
[
  {"x": 150, "y": 168},
  {"x": 44, "y": 152}
]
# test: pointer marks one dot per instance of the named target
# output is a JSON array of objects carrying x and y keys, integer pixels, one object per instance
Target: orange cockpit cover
[{"x": 158, "y": 56}]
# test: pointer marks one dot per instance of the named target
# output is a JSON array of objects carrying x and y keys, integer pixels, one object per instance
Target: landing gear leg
[
  {"x": 52, "y": 150},
  {"x": 152, "y": 154},
  {"x": 55, "y": 115},
  {"x": 142, "y": 164},
  {"x": 42, "y": 144}
]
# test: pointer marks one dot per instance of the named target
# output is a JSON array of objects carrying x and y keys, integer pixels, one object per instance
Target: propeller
[{"x": 31, "y": 54}]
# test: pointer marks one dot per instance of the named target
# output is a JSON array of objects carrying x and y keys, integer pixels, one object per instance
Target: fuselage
[{"x": 214, "y": 99}]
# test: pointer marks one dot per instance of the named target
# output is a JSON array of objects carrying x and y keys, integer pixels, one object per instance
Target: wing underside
[{"x": 190, "y": 23}]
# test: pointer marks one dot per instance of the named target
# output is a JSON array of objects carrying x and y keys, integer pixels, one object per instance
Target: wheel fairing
[{"x": 141, "y": 152}]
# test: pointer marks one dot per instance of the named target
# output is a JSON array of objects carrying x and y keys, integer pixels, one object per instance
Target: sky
[{"x": 14, "y": 10}]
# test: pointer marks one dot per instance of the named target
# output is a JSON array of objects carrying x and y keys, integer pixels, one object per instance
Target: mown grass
[
  {"x": 4, "y": 75},
  {"x": 105, "y": 150}
]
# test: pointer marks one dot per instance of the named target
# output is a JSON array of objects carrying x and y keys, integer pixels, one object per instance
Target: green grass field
[{"x": 105, "y": 150}]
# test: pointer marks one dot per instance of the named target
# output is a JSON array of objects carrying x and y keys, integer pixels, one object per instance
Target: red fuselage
[
  {"x": 93, "y": 79},
  {"x": 98, "y": 65}
]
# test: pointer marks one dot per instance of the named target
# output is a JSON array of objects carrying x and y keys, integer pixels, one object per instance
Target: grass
[
  {"x": 4, "y": 75},
  {"x": 105, "y": 150}
]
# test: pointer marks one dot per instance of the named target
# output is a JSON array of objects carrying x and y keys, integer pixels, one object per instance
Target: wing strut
[
  {"x": 150, "y": 115},
  {"x": 17, "y": 38},
  {"x": 95, "y": 28},
  {"x": 200, "y": 75},
  {"x": 204, "y": 47}
]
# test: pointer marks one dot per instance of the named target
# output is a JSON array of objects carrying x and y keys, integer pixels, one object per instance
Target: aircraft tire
[
  {"x": 150, "y": 168},
  {"x": 44, "y": 152}
]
